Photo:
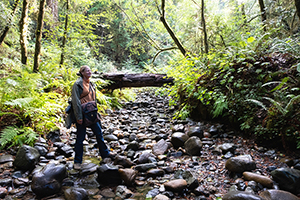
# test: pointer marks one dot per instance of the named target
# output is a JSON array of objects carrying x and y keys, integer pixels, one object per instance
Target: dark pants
[{"x": 81, "y": 132}]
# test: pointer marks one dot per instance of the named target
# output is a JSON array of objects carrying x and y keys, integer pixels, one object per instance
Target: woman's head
[{"x": 85, "y": 71}]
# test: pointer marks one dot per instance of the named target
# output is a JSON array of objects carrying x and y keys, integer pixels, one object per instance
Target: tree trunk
[
  {"x": 170, "y": 31},
  {"x": 52, "y": 4},
  {"x": 134, "y": 80},
  {"x": 23, "y": 30},
  {"x": 38, "y": 41},
  {"x": 263, "y": 13},
  {"x": 6, "y": 29},
  {"x": 204, "y": 27},
  {"x": 62, "y": 56},
  {"x": 297, "y": 4}
]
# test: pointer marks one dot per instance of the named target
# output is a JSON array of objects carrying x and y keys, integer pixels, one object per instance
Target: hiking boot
[{"x": 77, "y": 166}]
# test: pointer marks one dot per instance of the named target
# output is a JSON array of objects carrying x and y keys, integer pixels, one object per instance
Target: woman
[{"x": 84, "y": 91}]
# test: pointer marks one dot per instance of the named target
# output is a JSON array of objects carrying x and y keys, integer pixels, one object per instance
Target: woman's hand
[{"x": 79, "y": 121}]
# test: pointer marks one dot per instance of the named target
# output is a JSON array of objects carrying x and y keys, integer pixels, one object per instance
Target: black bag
[
  {"x": 90, "y": 113},
  {"x": 69, "y": 107}
]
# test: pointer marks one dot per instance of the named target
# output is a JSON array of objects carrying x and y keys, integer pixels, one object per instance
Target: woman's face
[{"x": 87, "y": 73}]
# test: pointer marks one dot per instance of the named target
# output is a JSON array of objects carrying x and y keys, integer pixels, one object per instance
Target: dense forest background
[{"x": 234, "y": 61}]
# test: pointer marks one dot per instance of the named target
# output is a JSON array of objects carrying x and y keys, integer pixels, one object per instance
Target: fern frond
[
  {"x": 271, "y": 83},
  {"x": 277, "y": 105},
  {"x": 219, "y": 106},
  {"x": 20, "y": 102},
  {"x": 7, "y": 135},
  {"x": 31, "y": 136},
  {"x": 294, "y": 100},
  {"x": 259, "y": 103}
]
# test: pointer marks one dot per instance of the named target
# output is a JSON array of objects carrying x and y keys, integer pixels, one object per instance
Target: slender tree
[
  {"x": 6, "y": 29},
  {"x": 170, "y": 31},
  {"x": 23, "y": 30},
  {"x": 204, "y": 27},
  {"x": 263, "y": 13},
  {"x": 38, "y": 41},
  {"x": 62, "y": 56},
  {"x": 297, "y": 4}
]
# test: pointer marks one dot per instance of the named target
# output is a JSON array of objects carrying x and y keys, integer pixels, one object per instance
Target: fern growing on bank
[{"x": 14, "y": 136}]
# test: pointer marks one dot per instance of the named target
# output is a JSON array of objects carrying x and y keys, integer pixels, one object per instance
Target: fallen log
[{"x": 135, "y": 80}]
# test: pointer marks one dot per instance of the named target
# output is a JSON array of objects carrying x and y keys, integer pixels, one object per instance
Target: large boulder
[
  {"x": 109, "y": 174},
  {"x": 288, "y": 179},
  {"x": 193, "y": 146},
  {"x": 278, "y": 195},
  {"x": 128, "y": 176},
  {"x": 195, "y": 131},
  {"x": 27, "y": 157},
  {"x": 178, "y": 139},
  {"x": 48, "y": 181},
  {"x": 240, "y": 164},
  {"x": 160, "y": 147},
  {"x": 241, "y": 195}
]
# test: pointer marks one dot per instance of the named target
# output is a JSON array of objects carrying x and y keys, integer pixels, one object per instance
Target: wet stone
[
  {"x": 26, "y": 158},
  {"x": 88, "y": 168},
  {"x": 5, "y": 182},
  {"x": 288, "y": 179},
  {"x": 6, "y": 158},
  {"x": 76, "y": 193},
  {"x": 152, "y": 193},
  {"x": 193, "y": 146},
  {"x": 123, "y": 161},
  {"x": 160, "y": 147},
  {"x": 128, "y": 176},
  {"x": 189, "y": 177},
  {"x": 265, "y": 181},
  {"x": 240, "y": 163},
  {"x": 48, "y": 181},
  {"x": 108, "y": 174},
  {"x": 107, "y": 193},
  {"x": 241, "y": 195},
  {"x": 195, "y": 131},
  {"x": 278, "y": 195},
  {"x": 178, "y": 139},
  {"x": 110, "y": 138},
  {"x": 3, "y": 192},
  {"x": 176, "y": 185},
  {"x": 155, "y": 173},
  {"x": 65, "y": 150},
  {"x": 161, "y": 197}
]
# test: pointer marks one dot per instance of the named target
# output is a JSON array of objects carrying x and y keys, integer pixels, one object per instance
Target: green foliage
[
  {"x": 14, "y": 136},
  {"x": 240, "y": 86}
]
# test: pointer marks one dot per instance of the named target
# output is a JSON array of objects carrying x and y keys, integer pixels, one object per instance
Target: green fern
[
  {"x": 294, "y": 100},
  {"x": 257, "y": 103},
  {"x": 277, "y": 105},
  {"x": 20, "y": 102},
  {"x": 7, "y": 135},
  {"x": 17, "y": 136},
  {"x": 220, "y": 105}
]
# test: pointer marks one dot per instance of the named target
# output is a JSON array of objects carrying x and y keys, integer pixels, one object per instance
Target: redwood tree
[
  {"x": 64, "y": 41},
  {"x": 204, "y": 27},
  {"x": 38, "y": 41},
  {"x": 297, "y": 4},
  {"x": 263, "y": 13},
  {"x": 23, "y": 34}
]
